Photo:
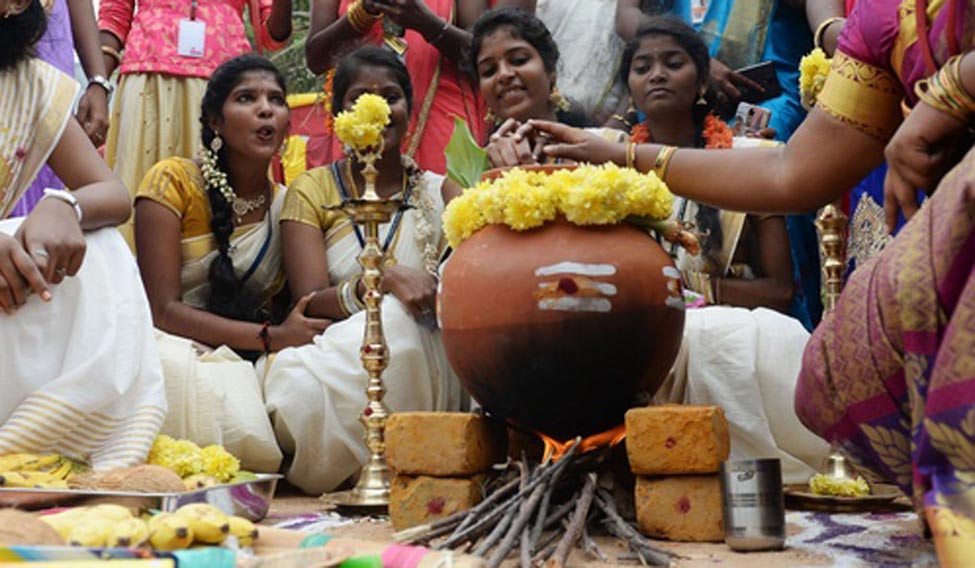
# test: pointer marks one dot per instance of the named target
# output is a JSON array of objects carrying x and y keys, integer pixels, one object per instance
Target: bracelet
[
  {"x": 102, "y": 82},
  {"x": 265, "y": 336},
  {"x": 67, "y": 197},
  {"x": 112, "y": 52},
  {"x": 663, "y": 161},
  {"x": 630, "y": 154},
  {"x": 347, "y": 297},
  {"x": 946, "y": 92},
  {"x": 821, "y": 30},
  {"x": 443, "y": 30},
  {"x": 359, "y": 302},
  {"x": 360, "y": 19}
]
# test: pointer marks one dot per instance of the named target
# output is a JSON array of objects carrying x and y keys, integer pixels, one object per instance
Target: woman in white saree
[
  {"x": 210, "y": 254},
  {"x": 78, "y": 366},
  {"x": 317, "y": 392}
]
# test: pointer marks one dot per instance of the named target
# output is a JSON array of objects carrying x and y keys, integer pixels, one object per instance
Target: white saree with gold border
[
  {"x": 316, "y": 393},
  {"x": 80, "y": 374},
  {"x": 215, "y": 396}
]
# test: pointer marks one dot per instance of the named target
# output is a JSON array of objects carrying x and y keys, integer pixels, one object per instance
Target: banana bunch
[
  {"x": 49, "y": 471},
  {"x": 116, "y": 526}
]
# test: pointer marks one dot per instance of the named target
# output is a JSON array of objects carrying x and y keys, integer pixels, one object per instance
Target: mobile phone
[
  {"x": 764, "y": 74},
  {"x": 750, "y": 118}
]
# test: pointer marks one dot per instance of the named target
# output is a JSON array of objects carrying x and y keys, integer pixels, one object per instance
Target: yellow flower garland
[
  {"x": 586, "y": 195},
  {"x": 362, "y": 127},
  {"x": 813, "y": 69},
  {"x": 186, "y": 458}
]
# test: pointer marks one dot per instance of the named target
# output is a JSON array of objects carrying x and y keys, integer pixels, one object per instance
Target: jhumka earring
[
  {"x": 560, "y": 102},
  {"x": 701, "y": 101},
  {"x": 216, "y": 143},
  {"x": 490, "y": 118}
]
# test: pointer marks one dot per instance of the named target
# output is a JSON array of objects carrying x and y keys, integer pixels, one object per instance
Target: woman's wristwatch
[
  {"x": 103, "y": 83},
  {"x": 66, "y": 197}
]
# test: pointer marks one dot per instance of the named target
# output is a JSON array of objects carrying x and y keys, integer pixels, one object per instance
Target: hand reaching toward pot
[{"x": 416, "y": 289}]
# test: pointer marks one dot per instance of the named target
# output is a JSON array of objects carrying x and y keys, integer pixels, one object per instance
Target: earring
[
  {"x": 559, "y": 101},
  {"x": 490, "y": 118},
  {"x": 701, "y": 101},
  {"x": 216, "y": 143},
  {"x": 284, "y": 147},
  {"x": 9, "y": 12}
]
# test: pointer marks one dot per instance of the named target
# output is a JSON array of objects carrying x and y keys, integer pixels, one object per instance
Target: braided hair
[
  {"x": 708, "y": 218},
  {"x": 19, "y": 34},
  {"x": 229, "y": 297}
]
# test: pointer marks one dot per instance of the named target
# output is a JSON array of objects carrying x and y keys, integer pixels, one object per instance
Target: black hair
[
  {"x": 369, "y": 56},
  {"x": 229, "y": 297},
  {"x": 526, "y": 26},
  {"x": 707, "y": 219},
  {"x": 19, "y": 34}
]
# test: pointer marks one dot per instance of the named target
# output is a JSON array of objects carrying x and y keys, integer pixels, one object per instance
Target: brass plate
[{"x": 883, "y": 497}]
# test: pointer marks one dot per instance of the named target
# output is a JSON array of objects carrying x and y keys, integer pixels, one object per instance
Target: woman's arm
[
  {"x": 773, "y": 288},
  {"x": 114, "y": 22},
  {"x": 93, "y": 106},
  {"x": 279, "y": 21},
  {"x": 801, "y": 176},
  {"x": 449, "y": 190},
  {"x": 306, "y": 264},
  {"x": 453, "y": 41},
  {"x": 157, "y": 239},
  {"x": 329, "y": 36},
  {"x": 628, "y": 18}
]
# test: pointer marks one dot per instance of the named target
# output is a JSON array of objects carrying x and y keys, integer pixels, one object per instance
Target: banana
[
  {"x": 200, "y": 481},
  {"x": 63, "y": 470},
  {"x": 31, "y": 479},
  {"x": 129, "y": 533},
  {"x": 244, "y": 530},
  {"x": 169, "y": 532},
  {"x": 110, "y": 511},
  {"x": 65, "y": 521},
  {"x": 27, "y": 462},
  {"x": 210, "y": 525},
  {"x": 93, "y": 531}
]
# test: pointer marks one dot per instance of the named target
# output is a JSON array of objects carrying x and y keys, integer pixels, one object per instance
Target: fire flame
[{"x": 554, "y": 449}]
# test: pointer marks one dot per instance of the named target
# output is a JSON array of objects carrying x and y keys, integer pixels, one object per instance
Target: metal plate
[
  {"x": 250, "y": 499},
  {"x": 883, "y": 497}
]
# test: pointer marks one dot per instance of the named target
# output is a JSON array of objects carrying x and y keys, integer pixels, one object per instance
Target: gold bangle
[
  {"x": 112, "y": 52},
  {"x": 663, "y": 161},
  {"x": 945, "y": 91},
  {"x": 360, "y": 19},
  {"x": 630, "y": 154},
  {"x": 821, "y": 30}
]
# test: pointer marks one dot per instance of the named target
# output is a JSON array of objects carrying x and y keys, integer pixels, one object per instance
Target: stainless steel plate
[{"x": 250, "y": 499}]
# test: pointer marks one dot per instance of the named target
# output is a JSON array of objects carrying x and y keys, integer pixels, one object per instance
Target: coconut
[
  {"x": 18, "y": 528},
  {"x": 141, "y": 478}
]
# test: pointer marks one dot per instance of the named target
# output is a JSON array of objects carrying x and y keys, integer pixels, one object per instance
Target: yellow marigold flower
[
  {"x": 529, "y": 206},
  {"x": 219, "y": 463},
  {"x": 813, "y": 69},
  {"x": 461, "y": 219},
  {"x": 362, "y": 127}
]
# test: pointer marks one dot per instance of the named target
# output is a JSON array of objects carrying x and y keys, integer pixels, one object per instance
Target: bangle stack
[
  {"x": 821, "y": 29},
  {"x": 630, "y": 155},
  {"x": 348, "y": 296},
  {"x": 945, "y": 91},
  {"x": 360, "y": 19},
  {"x": 112, "y": 52},
  {"x": 663, "y": 161}
]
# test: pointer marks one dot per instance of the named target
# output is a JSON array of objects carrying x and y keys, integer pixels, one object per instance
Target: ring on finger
[
  {"x": 41, "y": 252},
  {"x": 61, "y": 272}
]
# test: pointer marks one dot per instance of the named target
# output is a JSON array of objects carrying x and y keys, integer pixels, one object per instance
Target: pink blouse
[{"x": 148, "y": 30}]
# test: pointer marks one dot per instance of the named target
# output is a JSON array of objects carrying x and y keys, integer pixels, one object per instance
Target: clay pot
[{"x": 560, "y": 328}]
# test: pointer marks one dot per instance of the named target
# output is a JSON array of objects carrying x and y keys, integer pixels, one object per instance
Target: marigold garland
[
  {"x": 717, "y": 134},
  {"x": 586, "y": 195},
  {"x": 813, "y": 69},
  {"x": 186, "y": 458},
  {"x": 362, "y": 127}
]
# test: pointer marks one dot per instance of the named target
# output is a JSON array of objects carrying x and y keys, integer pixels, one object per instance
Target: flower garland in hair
[
  {"x": 424, "y": 234},
  {"x": 717, "y": 134},
  {"x": 216, "y": 177}
]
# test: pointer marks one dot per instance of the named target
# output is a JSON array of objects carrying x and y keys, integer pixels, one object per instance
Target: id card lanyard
[{"x": 191, "y": 40}]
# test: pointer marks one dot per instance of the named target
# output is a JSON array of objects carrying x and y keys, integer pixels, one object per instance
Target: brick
[
  {"x": 685, "y": 507},
  {"x": 673, "y": 439},
  {"x": 445, "y": 444},
  {"x": 416, "y": 500}
]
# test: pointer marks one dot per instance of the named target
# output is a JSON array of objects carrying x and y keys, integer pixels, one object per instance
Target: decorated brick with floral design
[
  {"x": 676, "y": 439},
  {"x": 420, "y": 499},
  {"x": 445, "y": 444},
  {"x": 684, "y": 507}
]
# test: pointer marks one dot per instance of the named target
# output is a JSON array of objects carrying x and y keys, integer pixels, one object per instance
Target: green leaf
[{"x": 466, "y": 161}]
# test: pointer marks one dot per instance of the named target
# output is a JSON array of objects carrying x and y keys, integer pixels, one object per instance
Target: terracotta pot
[{"x": 558, "y": 329}]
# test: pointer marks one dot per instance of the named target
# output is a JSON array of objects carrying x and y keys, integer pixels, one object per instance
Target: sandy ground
[{"x": 290, "y": 503}]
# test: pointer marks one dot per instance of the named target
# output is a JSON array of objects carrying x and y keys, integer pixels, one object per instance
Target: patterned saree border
[{"x": 862, "y": 96}]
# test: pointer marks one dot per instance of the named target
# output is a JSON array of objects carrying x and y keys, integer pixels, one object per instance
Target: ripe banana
[
  {"x": 38, "y": 479},
  {"x": 209, "y": 524},
  {"x": 27, "y": 462},
  {"x": 93, "y": 531},
  {"x": 169, "y": 532},
  {"x": 244, "y": 530},
  {"x": 110, "y": 511},
  {"x": 129, "y": 533},
  {"x": 65, "y": 521},
  {"x": 63, "y": 470}
]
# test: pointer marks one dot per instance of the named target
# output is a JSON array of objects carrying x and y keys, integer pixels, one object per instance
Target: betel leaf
[{"x": 466, "y": 161}]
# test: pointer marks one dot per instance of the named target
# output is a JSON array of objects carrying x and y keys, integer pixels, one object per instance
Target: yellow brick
[
  {"x": 415, "y": 500},
  {"x": 673, "y": 439},
  {"x": 686, "y": 507},
  {"x": 446, "y": 444}
]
